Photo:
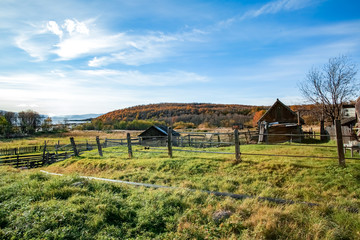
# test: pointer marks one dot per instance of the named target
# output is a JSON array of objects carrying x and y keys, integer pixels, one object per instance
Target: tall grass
[{"x": 38, "y": 206}]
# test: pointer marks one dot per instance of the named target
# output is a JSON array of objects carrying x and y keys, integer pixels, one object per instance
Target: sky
[{"x": 92, "y": 56}]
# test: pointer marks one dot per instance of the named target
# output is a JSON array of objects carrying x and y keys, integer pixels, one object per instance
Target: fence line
[
  {"x": 234, "y": 140},
  {"x": 235, "y": 137},
  {"x": 253, "y": 154}
]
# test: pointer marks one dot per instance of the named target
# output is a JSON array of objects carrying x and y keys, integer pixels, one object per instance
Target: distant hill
[
  {"x": 61, "y": 119},
  {"x": 196, "y": 113}
]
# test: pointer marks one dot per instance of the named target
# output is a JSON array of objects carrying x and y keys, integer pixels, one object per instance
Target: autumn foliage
[
  {"x": 188, "y": 115},
  {"x": 257, "y": 116}
]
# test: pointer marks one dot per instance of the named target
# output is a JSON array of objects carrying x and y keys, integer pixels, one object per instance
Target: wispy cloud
[
  {"x": 137, "y": 78},
  {"x": 278, "y": 6},
  {"x": 76, "y": 90},
  {"x": 77, "y": 39}
]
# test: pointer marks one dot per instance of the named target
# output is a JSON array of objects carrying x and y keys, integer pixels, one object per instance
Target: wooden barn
[
  {"x": 278, "y": 123},
  {"x": 157, "y": 136}
]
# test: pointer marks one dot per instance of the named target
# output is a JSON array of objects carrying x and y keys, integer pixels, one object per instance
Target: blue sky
[{"x": 93, "y": 56}]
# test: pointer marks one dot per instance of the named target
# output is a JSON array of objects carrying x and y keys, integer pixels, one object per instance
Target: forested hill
[{"x": 196, "y": 113}]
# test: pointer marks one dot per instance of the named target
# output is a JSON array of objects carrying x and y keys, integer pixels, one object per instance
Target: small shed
[
  {"x": 349, "y": 122},
  {"x": 157, "y": 136},
  {"x": 279, "y": 123}
]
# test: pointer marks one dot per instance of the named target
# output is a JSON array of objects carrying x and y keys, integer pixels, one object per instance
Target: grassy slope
[{"x": 36, "y": 205}]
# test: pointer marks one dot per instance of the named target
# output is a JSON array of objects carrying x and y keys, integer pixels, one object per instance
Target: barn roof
[
  {"x": 162, "y": 129},
  {"x": 272, "y": 108},
  {"x": 349, "y": 121}
]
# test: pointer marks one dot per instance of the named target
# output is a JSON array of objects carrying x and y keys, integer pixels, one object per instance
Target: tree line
[{"x": 24, "y": 122}]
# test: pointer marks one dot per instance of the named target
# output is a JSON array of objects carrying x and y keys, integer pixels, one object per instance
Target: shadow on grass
[{"x": 313, "y": 141}]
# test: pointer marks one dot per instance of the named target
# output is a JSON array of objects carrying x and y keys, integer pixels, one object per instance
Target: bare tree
[
  {"x": 29, "y": 121},
  {"x": 331, "y": 85}
]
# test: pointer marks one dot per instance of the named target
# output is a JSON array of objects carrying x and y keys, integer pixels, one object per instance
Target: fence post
[
  {"x": 56, "y": 150},
  {"x": 99, "y": 146},
  {"x": 44, "y": 152},
  {"x": 339, "y": 143},
  {"x": 237, "y": 146},
  {"x": 74, "y": 147},
  {"x": 17, "y": 161},
  {"x": 47, "y": 157},
  {"x": 128, "y": 138},
  {"x": 105, "y": 143},
  {"x": 170, "y": 142},
  {"x": 322, "y": 131}
]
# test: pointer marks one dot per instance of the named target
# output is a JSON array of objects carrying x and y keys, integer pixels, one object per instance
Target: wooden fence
[
  {"x": 20, "y": 150},
  {"x": 189, "y": 139},
  {"x": 33, "y": 160},
  {"x": 235, "y": 139},
  {"x": 37, "y": 156}
]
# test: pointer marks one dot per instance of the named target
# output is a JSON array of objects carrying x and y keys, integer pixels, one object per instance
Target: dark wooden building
[
  {"x": 278, "y": 124},
  {"x": 157, "y": 136}
]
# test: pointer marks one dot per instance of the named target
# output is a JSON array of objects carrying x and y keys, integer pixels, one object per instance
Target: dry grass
[{"x": 53, "y": 139}]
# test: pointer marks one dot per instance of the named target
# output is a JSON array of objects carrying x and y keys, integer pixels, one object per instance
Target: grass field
[
  {"x": 64, "y": 138},
  {"x": 39, "y": 206}
]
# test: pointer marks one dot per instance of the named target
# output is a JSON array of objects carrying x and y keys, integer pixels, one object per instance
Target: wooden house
[
  {"x": 280, "y": 124},
  {"x": 157, "y": 136}
]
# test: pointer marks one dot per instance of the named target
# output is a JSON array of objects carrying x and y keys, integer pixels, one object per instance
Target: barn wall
[
  {"x": 152, "y": 132},
  {"x": 347, "y": 133},
  {"x": 281, "y": 114},
  {"x": 281, "y": 133}
]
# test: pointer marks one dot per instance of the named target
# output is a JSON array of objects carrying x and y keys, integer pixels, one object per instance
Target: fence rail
[
  {"x": 236, "y": 139},
  {"x": 33, "y": 160},
  {"x": 190, "y": 139}
]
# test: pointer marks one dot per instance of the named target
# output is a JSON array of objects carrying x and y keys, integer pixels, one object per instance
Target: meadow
[
  {"x": 52, "y": 139},
  {"x": 35, "y": 205}
]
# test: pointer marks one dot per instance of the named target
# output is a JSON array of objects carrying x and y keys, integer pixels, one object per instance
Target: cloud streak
[
  {"x": 137, "y": 78},
  {"x": 70, "y": 92},
  {"x": 277, "y": 6},
  {"x": 77, "y": 39}
]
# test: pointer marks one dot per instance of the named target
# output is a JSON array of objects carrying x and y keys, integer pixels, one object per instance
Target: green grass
[{"x": 38, "y": 206}]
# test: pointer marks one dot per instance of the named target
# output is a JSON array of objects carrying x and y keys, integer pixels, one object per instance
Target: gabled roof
[
  {"x": 348, "y": 121},
  {"x": 279, "y": 103},
  {"x": 162, "y": 129}
]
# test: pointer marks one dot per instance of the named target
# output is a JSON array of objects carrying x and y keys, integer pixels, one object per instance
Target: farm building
[
  {"x": 278, "y": 123},
  {"x": 157, "y": 136}
]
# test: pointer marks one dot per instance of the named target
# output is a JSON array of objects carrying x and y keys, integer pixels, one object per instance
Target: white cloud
[
  {"x": 53, "y": 27},
  {"x": 88, "y": 91},
  {"x": 26, "y": 105},
  {"x": 278, "y": 6},
  {"x": 97, "y": 62},
  {"x": 74, "y": 26},
  {"x": 35, "y": 49},
  {"x": 137, "y": 78},
  {"x": 82, "y": 38}
]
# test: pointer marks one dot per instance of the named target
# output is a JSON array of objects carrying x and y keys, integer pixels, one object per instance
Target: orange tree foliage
[
  {"x": 197, "y": 113},
  {"x": 257, "y": 116}
]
